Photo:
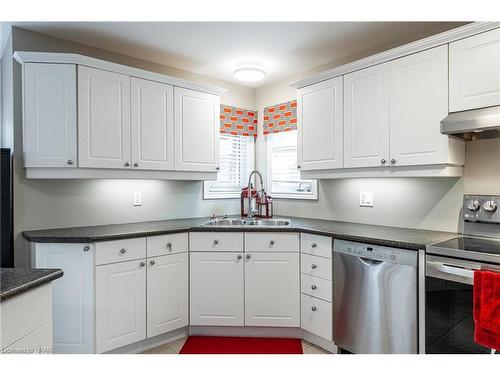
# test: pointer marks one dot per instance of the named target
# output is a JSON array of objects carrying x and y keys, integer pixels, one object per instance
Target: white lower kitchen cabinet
[
  {"x": 120, "y": 298},
  {"x": 272, "y": 289},
  {"x": 316, "y": 317},
  {"x": 167, "y": 293},
  {"x": 216, "y": 288},
  {"x": 73, "y": 294}
]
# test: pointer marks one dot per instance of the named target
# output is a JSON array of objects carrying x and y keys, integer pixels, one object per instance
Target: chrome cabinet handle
[
  {"x": 152, "y": 263},
  {"x": 127, "y": 164},
  {"x": 69, "y": 162},
  {"x": 271, "y": 243},
  {"x": 313, "y": 245},
  {"x": 142, "y": 264},
  {"x": 313, "y": 287},
  {"x": 393, "y": 161},
  {"x": 86, "y": 248},
  {"x": 298, "y": 166},
  {"x": 123, "y": 251},
  {"x": 216, "y": 242},
  {"x": 313, "y": 266},
  {"x": 169, "y": 246},
  {"x": 239, "y": 257},
  {"x": 217, "y": 168},
  {"x": 136, "y": 164},
  {"x": 314, "y": 308},
  {"x": 248, "y": 256},
  {"x": 383, "y": 161}
]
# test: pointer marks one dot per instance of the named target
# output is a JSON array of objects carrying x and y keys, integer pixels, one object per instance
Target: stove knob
[
  {"x": 490, "y": 206},
  {"x": 473, "y": 205}
]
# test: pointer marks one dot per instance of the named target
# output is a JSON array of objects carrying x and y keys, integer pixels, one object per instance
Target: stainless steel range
[{"x": 450, "y": 266}]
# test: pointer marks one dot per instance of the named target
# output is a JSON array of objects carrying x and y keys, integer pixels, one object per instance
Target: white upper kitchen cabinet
[
  {"x": 120, "y": 300},
  {"x": 475, "y": 71},
  {"x": 72, "y": 295},
  {"x": 272, "y": 289},
  {"x": 103, "y": 119},
  {"x": 152, "y": 125},
  {"x": 418, "y": 103},
  {"x": 50, "y": 115},
  {"x": 196, "y": 130},
  {"x": 216, "y": 288},
  {"x": 320, "y": 129},
  {"x": 167, "y": 293},
  {"x": 366, "y": 117}
]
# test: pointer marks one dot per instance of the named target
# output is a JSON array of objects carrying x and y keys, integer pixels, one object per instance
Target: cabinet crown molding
[
  {"x": 404, "y": 50},
  {"x": 23, "y": 57}
]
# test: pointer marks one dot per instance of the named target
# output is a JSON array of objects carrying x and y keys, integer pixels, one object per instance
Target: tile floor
[{"x": 175, "y": 346}]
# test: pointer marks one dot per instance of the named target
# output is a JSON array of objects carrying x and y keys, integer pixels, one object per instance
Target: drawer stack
[{"x": 317, "y": 285}]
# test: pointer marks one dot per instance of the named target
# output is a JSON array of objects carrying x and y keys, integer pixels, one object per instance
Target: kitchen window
[
  {"x": 236, "y": 162},
  {"x": 283, "y": 176}
]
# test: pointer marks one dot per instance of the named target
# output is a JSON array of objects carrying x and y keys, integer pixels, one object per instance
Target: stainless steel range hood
[{"x": 474, "y": 124}]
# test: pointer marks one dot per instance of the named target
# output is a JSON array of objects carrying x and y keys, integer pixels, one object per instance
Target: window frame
[
  {"x": 314, "y": 196},
  {"x": 207, "y": 195}
]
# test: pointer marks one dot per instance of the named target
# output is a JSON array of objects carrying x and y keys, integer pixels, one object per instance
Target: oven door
[{"x": 449, "y": 324}]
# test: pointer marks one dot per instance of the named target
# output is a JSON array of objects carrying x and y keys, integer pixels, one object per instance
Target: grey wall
[{"x": 42, "y": 204}]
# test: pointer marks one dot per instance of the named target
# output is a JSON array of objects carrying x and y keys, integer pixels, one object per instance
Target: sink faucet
[{"x": 251, "y": 212}]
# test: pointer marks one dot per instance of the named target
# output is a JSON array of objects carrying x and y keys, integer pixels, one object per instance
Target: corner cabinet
[
  {"x": 196, "y": 130},
  {"x": 475, "y": 71},
  {"x": 49, "y": 123},
  {"x": 89, "y": 118},
  {"x": 320, "y": 133}
]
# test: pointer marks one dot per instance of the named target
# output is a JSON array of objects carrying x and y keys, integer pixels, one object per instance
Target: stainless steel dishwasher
[{"x": 375, "y": 298}]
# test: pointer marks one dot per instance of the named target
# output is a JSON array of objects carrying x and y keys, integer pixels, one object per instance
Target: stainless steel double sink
[{"x": 236, "y": 222}]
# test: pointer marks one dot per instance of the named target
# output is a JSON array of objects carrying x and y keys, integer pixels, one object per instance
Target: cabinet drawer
[
  {"x": 316, "y": 245},
  {"x": 271, "y": 242},
  {"x": 120, "y": 251},
  {"x": 316, "y": 266},
  {"x": 167, "y": 244},
  {"x": 316, "y": 317},
  {"x": 216, "y": 241},
  {"x": 316, "y": 287}
]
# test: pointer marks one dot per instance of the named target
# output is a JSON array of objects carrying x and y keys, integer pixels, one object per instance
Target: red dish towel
[{"x": 487, "y": 309}]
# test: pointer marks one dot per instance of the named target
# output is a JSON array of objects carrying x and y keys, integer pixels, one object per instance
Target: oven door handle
[{"x": 438, "y": 268}]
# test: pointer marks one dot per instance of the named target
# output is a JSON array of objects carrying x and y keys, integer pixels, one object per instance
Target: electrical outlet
[
  {"x": 137, "y": 198},
  {"x": 366, "y": 198}
]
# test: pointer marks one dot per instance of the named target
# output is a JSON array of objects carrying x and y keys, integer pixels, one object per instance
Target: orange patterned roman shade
[
  {"x": 280, "y": 117},
  {"x": 238, "y": 121}
]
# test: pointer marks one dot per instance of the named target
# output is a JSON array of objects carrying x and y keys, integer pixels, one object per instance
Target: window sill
[{"x": 294, "y": 196}]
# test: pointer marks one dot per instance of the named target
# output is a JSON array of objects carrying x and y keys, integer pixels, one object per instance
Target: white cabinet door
[
  {"x": 120, "y": 296},
  {"x": 197, "y": 129},
  {"x": 366, "y": 117},
  {"x": 152, "y": 126},
  {"x": 475, "y": 71},
  {"x": 419, "y": 101},
  {"x": 72, "y": 295},
  {"x": 49, "y": 115},
  {"x": 272, "y": 289},
  {"x": 167, "y": 293},
  {"x": 319, "y": 113},
  {"x": 216, "y": 289},
  {"x": 103, "y": 119}
]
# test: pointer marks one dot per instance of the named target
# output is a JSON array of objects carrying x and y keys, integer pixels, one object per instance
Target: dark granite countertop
[
  {"x": 405, "y": 238},
  {"x": 14, "y": 281}
]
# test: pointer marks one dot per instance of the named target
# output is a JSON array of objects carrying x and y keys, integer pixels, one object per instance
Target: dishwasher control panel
[{"x": 379, "y": 253}]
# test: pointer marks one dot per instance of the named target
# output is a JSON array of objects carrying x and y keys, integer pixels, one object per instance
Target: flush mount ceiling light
[{"x": 249, "y": 73}]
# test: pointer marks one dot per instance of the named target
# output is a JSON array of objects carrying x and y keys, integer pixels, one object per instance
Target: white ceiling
[{"x": 215, "y": 48}]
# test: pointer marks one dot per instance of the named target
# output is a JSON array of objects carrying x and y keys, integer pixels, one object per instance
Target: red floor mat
[{"x": 240, "y": 345}]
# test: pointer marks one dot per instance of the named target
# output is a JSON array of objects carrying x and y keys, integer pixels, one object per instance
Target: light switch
[
  {"x": 366, "y": 198},
  {"x": 137, "y": 198}
]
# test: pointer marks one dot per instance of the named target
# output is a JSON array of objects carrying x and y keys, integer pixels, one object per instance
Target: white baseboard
[
  {"x": 141, "y": 346},
  {"x": 245, "y": 331},
  {"x": 320, "y": 341}
]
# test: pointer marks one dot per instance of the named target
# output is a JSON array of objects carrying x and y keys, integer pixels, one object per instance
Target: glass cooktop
[{"x": 470, "y": 247}]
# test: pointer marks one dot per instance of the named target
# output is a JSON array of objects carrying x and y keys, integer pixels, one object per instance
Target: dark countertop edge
[
  {"x": 31, "y": 285},
  {"x": 293, "y": 228}
]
